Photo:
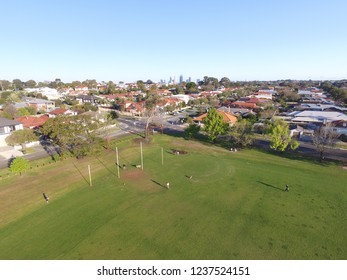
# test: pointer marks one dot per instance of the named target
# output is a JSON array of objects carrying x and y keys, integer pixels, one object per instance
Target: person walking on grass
[
  {"x": 286, "y": 189},
  {"x": 168, "y": 185},
  {"x": 45, "y": 196}
]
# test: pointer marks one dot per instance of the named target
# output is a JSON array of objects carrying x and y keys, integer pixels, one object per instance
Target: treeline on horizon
[{"x": 336, "y": 88}]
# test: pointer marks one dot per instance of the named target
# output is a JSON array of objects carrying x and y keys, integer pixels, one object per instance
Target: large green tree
[
  {"x": 214, "y": 124},
  {"x": 225, "y": 81},
  {"x": 241, "y": 134},
  {"x": 5, "y": 85},
  {"x": 31, "y": 83},
  {"x": 75, "y": 135},
  {"x": 17, "y": 84},
  {"x": 280, "y": 137}
]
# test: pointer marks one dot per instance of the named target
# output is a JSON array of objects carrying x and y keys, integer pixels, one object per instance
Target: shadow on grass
[
  {"x": 271, "y": 186},
  {"x": 79, "y": 171},
  {"x": 108, "y": 169},
  {"x": 158, "y": 183}
]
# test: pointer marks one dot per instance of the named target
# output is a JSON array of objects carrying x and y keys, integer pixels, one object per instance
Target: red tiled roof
[
  {"x": 32, "y": 121},
  {"x": 58, "y": 111},
  {"x": 229, "y": 118},
  {"x": 240, "y": 104},
  {"x": 253, "y": 100}
]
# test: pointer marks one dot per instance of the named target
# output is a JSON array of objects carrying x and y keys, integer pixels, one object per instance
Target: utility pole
[
  {"x": 141, "y": 156},
  {"x": 117, "y": 162},
  {"x": 90, "y": 175}
]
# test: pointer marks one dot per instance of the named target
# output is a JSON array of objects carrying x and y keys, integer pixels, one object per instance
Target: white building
[
  {"x": 183, "y": 97},
  {"x": 51, "y": 93},
  {"x": 6, "y": 128},
  {"x": 316, "y": 117}
]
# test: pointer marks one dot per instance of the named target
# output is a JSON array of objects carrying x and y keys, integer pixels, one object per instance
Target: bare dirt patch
[
  {"x": 179, "y": 152},
  {"x": 135, "y": 174}
]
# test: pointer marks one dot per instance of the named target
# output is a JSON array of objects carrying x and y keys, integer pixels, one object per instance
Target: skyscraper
[{"x": 181, "y": 79}]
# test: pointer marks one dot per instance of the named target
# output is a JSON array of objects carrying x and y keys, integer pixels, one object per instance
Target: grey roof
[
  {"x": 7, "y": 122},
  {"x": 37, "y": 100}
]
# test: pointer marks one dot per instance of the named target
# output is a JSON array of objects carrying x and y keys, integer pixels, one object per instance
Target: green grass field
[{"x": 233, "y": 207}]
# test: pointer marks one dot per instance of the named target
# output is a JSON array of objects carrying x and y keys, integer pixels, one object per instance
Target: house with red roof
[
  {"x": 263, "y": 95},
  {"x": 32, "y": 122},
  {"x": 61, "y": 111},
  {"x": 242, "y": 104},
  {"x": 227, "y": 117},
  {"x": 133, "y": 108}
]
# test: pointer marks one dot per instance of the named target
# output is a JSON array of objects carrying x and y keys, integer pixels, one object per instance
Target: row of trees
[
  {"x": 338, "y": 93},
  {"x": 241, "y": 134}
]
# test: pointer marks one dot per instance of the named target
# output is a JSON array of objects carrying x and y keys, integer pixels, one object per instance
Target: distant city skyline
[{"x": 140, "y": 40}]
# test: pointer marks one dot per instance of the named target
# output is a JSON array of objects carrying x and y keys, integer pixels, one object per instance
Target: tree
[
  {"x": 80, "y": 137},
  {"x": 17, "y": 84},
  {"x": 10, "y": 112},
  {"x": 241, "y": 134},
  {"x": 141, "y": 85},
  {"x": 75, "y": 84},
  {"x": 323, "y": 138},
  {"x": 281, "y": 138},
  {"x": 30, "y": 83},
  {"x": 191, "y": 86},
  {"x": 5, "y": 85},
  {"x": 214, "y": 124},
  {"x": 192, "y": 130},
  {"x": 19, "y": 165},
  {"x": 225, "y": 82},
  {"x": 211, "y": 81},
  {"x": 23, "y": 112},
  {"x": 150, "y": 110},
  {"x": 21, "y": 137},
  {"x": 91, "y": 84}
]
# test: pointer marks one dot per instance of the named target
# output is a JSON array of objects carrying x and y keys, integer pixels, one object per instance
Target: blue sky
[{"x": 133, "y": 39}]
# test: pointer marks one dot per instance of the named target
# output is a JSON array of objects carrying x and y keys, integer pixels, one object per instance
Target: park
[{"x": 220, "y": 205}]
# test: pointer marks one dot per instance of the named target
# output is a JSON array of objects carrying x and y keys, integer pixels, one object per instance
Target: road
[{"x": 173, "y": 124}]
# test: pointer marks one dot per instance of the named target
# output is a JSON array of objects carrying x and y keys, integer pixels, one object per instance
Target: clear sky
[{"x": 152, "y": 39}]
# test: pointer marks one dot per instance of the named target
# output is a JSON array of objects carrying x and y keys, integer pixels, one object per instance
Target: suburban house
[
  {"x": 183, "y": 97},
  {"x": 87, "y": 99},
  {"x": 263, "y": 95},
  {"x": 132, "y": 108},
  {"x": 227, "y": 117},
  {"x": 340, "y": 127},
  {"x": 236, "y": 111},
  {"x": 322, "y": 107},
  {"x": 6, "y": 128},
  {"x": 32, "y": 122},
  {"x": 51, "y": 93},
  {"x": 41, "y": 105},
  {"x": 310, "y": 92},
  {"x": 300, "y": 131},
  {"x": 61, "y": 111},
  {"x": 246, "y": 105},
  {"x": 317, "y": 117}
]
